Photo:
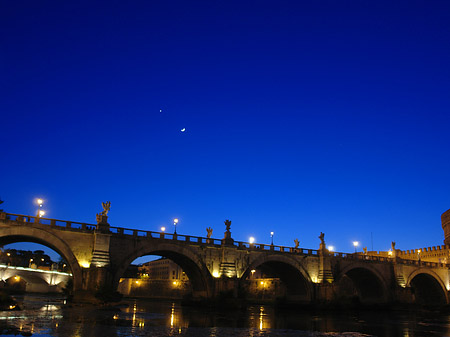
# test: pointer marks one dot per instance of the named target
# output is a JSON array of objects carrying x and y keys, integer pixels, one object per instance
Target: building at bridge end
[{"x": 445, "y": 219}]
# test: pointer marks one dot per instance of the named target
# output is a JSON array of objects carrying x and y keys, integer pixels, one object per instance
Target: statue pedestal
[
  {"x": 227, "y": 240},
  {"x": 102, "y": 223}
]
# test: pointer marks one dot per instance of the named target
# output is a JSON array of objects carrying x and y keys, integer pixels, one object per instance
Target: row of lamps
[{"x": 41, "y": 213}]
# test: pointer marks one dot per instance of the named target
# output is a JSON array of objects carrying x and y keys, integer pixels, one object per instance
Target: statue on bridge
[
  {"x": 227, "y": 240},
  {"x": 228, "y": 225},
  {"x": 102, "y": 218},
  {"x": 2, "y": 214},
  {"x": 209, "y": 232},
  {"x": 106, "y": 206},
  {"x": 322, "y": 241},
  {"x": 394, "y": 251},
  {"x": 296, "y": 243},
  {"x": 322, "y": 238}
]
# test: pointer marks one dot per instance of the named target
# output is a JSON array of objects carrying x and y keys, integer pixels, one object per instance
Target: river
[{"x": 50, "y": 316}]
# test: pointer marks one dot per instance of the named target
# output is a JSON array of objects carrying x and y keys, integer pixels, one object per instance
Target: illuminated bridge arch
[
  {"x": 41, "y": 236},
  {"x": 197, "y": 272},
  {"x": 428, "y": 288},
  {"x": 363, "y": 281},
  {"x": 297, "y": 281}
]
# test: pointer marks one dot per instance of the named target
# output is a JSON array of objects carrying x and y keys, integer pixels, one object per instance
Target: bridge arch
[
  {"x": 428, "y": 288},
  {"x": 297, "y": 281},
  {"x": 364, "y": 282},
  {"x": 197, "y": 272},
  {"x": 41, "y": 236}
]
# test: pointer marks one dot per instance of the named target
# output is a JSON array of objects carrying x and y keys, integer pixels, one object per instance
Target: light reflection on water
[{"x": 47, "y": 316}]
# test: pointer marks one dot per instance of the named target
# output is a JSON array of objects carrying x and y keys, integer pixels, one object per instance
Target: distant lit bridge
[
  {"x": 99, "y": 254},
  {"x": 36, "y": 280}
]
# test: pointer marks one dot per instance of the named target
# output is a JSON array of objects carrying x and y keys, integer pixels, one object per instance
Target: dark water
[{"x": 48, "y": 316}]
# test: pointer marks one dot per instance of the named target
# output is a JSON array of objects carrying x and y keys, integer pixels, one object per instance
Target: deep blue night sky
[{"x": 301, "y": 117}]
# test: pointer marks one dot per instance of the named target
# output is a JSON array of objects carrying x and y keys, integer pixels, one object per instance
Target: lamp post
[
  {"x": 355, "y": 244},
  {"x": 163, "y": 229},
  {"x": 40, "y": 211},
  {"x": 331, "y": 248},
  {"x": 271, "y": 238},
  {"x": 251, "y": 240},
  {"x": 175, "y": 221}
]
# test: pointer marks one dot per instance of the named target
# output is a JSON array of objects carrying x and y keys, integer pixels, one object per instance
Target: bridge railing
[
  {"x": 425, "y": 263},
  {"x": 73, "y": 225},
  {"x": 390, "y": 259},
  {"x": 27, "y": 219},
  {"x": 165, "y": 235},
  {"x": 356, "y": 256},
  {"x": 274, "y": 248},
  {"x": 209, "y": 241}
]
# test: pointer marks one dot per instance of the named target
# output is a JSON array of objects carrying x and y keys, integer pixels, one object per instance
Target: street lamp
[
  {"x": 40, "y": 212},
  {"x": 355, "y": 244},
  {"x": 175, "y": 221},
  {"x": 331, "y": 248},
  {"x": 163, "y": 229},
  {"x": 251, "y": 239},
  {"x": 271, "y": 237}
]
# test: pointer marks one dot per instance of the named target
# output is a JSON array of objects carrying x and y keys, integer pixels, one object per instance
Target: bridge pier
[
  {"x": 98, "y": 277},
  {"x": 95, "y": 279},
  {"x": 226, "y": 287}
]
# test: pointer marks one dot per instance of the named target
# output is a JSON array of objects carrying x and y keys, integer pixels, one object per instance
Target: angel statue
[
  {"x": 296, "y": 243},
  {"x": 228, "y": 225},
  {"x": 209, "y": 230},
  {"x": 321, "y": 237},
  {"x": 106, "y": 207}
]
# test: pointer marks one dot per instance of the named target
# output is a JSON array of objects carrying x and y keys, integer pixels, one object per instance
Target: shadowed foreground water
[{"x": 48, "y": 316}]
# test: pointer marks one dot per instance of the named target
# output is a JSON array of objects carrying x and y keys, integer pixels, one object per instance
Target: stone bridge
[
  {"x": 99, "y": 254},
  {"x": 36, "y": 280}
]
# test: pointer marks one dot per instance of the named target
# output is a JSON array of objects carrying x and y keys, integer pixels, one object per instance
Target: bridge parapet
[
  {"x": 60, "y": 224},
  {"x": 425, "y": 263},
  {"x": 80, "y": 226},
  {"x": 198, "y": 240}
]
